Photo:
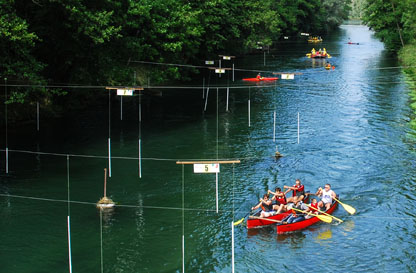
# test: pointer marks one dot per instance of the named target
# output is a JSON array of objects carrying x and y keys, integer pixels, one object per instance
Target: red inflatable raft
[
  {"x": 284, "y": 228},
  {"x": 261, "y": 79}
]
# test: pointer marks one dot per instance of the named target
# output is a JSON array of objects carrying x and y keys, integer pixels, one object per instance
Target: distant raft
[
  {"x": 261, "y": 79},
  {"x": 318, "y": 54},
  {"x": 315, "y": 40}
]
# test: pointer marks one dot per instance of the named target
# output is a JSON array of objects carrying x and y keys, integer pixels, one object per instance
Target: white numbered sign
[
  {"x": 124, "y": 92},
  {"x": 288, "y": 76},
  {"x": 207, "y": 168}
]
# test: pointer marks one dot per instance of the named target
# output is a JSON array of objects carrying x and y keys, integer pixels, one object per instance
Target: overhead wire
[{"x": 224, "y": 211}]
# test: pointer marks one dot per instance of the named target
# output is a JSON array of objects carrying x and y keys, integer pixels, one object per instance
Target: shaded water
[{"x": 354, "y": 134}]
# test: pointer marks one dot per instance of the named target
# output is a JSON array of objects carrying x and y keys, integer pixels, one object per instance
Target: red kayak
[
  {"x": 261, "y": 79},
  {"x": 284, "y": 228}
]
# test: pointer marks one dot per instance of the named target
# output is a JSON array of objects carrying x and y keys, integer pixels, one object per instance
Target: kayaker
[
  {"x": 259, "y": 77},
  {"x": 280, "y": 200},
  {"x": 298, "y": 192},
  {"x": 326, "y": 195},
  {"x": 266, "y": 206}
]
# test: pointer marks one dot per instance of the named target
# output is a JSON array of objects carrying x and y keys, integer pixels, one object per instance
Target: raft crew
[
  {"x": 326, "y": 195},
  {"x": 298, "y": 192},
  {"x": 266, "y": 206}
]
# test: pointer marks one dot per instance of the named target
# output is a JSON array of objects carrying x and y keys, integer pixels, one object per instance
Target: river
[{"x": 354, "y": 133}]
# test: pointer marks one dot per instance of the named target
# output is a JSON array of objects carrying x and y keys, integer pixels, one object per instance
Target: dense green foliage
[
  {"x": 60, "y": 42},
  {"x": 357, "y": 9},
  {"x": 394, "y": 21}
]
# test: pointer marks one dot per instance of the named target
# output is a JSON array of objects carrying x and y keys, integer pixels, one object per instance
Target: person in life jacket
[
  {"x": 326, "y": 195},
  {"x": 266, "y": 206},
  {"x": 312, "y": 209},
  {"x": 259, "y": 77},
  {"x": 280, "y": 200},
  {"x": 298, "y": 192}
]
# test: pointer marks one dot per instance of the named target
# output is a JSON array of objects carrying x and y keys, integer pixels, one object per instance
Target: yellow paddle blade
[
  {"x": 348, "y": 208},
  {"x": 324, "y": 218},
  {"x": 333, "y": 217},
  {"x": 239, "y": 221}
]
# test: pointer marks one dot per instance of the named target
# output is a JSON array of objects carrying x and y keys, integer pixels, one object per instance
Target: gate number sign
[{"x": 207, "y": 168}]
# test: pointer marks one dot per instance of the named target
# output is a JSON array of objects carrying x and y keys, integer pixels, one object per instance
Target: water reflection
[
  {"x": 295, "y": 240},
  {"x": 263, "y": 232},
  {"x": 106, "y": 215}
]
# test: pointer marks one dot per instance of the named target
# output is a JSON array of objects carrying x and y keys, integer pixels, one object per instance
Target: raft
[
  {"x": 315, "y": 40},
  {"x": 285, "y": 228},
  {"x": 261, "y": 79},
  {"x": 257, "y": 223},
  {"x": 318, "y": 55}
]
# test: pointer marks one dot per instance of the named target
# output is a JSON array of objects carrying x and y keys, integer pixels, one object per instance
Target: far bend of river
[{"x": 354, "y": 134}]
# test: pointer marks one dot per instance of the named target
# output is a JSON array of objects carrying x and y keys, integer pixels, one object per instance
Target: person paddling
[
  {"x": 259, "y": 77},
  {"x": 280, "y": 199},
  {"x": 326, "y": 195},
  {"x": 266, "y": 206},
  {"x": 298, "y": 192}
]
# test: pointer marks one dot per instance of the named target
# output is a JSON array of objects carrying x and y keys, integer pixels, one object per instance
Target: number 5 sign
[{"x": 207, "y": 168}]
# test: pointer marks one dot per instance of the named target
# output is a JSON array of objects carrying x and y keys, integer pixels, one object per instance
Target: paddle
[
  {"x": 323, "y": 218},
  {"x": 348, "y": 208},
  {"x": 266, "y": 219},
  {"x": 242, "y": 219},
  {"x": 327, "y": 214}
]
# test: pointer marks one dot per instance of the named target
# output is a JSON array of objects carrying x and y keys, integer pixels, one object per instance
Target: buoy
[
  {"x": 333, "y": 67},
  {"x": 105, "y": 202},
  {"x": 277, "y": 154}
]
